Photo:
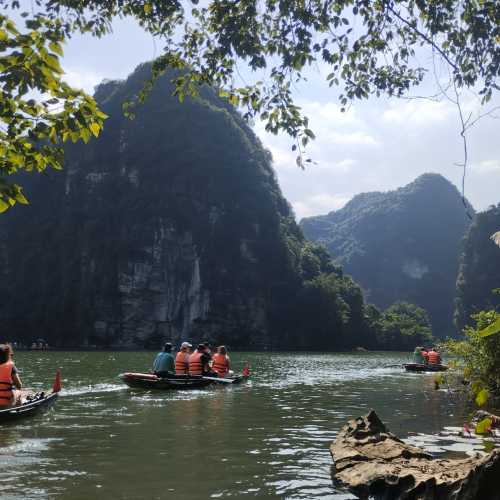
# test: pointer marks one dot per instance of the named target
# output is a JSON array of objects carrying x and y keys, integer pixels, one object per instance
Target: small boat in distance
[
  {"x": 183, "y": 382},
  {"x": 418, "y": 367},
  {"x": 32, "y": 404}
]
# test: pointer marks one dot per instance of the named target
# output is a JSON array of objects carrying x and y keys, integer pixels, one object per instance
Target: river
[{"x": 268, "y": 438}]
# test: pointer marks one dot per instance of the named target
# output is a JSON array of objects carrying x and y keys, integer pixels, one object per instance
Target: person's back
[
  {"x": 8, "y": 376},
  {"x": 418, "y": 356},
  {"x": 434, "y": 358},
  {"x": 195, "y": 363},
  {"x": 164, "y": 363},
  {"x": 221, "y": 364},
  {"x": 182, "y": 360}
]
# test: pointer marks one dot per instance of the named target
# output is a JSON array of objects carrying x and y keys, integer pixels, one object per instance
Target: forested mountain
[
  {"x": 401, "y": 245},
  {"x": 479, "y": 268},
  {"x": 169, "y": 226}
]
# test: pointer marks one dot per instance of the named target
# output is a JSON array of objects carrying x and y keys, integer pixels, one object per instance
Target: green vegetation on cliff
[
  {"x": 403, "y": 326},
  {"x": 169, "y": 226},
  {"x": 479, "y": 268},
  {"x": 401, "y": 245}
]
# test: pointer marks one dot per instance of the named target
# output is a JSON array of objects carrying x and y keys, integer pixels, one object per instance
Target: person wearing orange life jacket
[
  {"x": 8, "y": 377},
  {"x": 434, "y": 357},
  {"x": 199, "y": 362},
  {"x": 221, "y": 363},
  {"x": 182, "y": 360}
]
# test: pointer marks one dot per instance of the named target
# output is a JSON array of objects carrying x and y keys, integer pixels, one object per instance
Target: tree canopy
[{"x": 370, "y": 47}]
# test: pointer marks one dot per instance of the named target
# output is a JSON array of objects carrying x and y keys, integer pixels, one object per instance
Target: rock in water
[{"x": 373, "y": 463}]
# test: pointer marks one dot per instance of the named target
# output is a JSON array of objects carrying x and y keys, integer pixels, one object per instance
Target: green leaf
[
  {"x": 95, "y": 128},
  {"x": 491, "y": 329},
  {"x": 55, "y": 47},
  {"x": 483, "y": 426},
  {"x": 21, "y": 198},
  {"x": 3, "y": 206},
  {"x": 482, "y": 397}
]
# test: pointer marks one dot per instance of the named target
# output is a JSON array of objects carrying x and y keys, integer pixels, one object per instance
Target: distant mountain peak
[{"x": 401, "y": 244}]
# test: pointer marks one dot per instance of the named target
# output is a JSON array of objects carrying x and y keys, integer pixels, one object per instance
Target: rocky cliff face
[
  {"x": 400, "y": 245},
  {"x": 169, "y": 226},
  {"x": 479, "y": 268}
]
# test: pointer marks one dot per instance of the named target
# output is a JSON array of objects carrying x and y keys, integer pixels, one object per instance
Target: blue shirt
[{"x": 164, "y": 362}]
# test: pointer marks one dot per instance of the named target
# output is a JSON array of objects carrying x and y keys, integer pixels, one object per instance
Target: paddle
[{"x": 220, "y": 380}]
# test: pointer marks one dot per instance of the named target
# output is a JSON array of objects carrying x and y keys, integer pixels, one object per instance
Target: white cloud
[
  {"x": 320, "y": 203},
  {"x": 487, "y": 167},
  {"x": 418, "y": 112},
  {"x": 82, "y": 79},
  {"x": 329, "y": 112},
  {"x": 353, "y": 138}
]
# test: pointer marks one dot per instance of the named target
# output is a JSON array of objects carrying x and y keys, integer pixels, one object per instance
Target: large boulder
[{"x": 374, "y": 463}]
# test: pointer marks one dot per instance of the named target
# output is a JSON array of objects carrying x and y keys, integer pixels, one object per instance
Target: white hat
[{"x": 185, "y": 344}]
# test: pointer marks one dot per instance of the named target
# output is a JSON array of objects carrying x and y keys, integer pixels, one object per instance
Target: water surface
[{"x": 268, "y": 438}]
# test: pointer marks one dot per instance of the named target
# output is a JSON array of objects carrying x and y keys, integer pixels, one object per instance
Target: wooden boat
[
  {"x": 33, "y": 405},
  {"x": 418, "y": 367},
  {"x": 151, "y": 381}
]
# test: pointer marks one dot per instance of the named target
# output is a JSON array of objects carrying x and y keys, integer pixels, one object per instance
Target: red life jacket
[
  {"x": 6, "y": 382},
  {"x": 182, "y": 363},
  {"x": 195, "y": 364},
  {"x": 221, "y": 364},
  {"x": 434, "y": 358}
]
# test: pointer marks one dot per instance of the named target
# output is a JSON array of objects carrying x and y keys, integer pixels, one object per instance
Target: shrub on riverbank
[{"x": 479, "y": 357}]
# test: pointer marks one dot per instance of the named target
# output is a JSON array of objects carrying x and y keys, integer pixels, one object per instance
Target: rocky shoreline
[{"x": 371, "y": 462}]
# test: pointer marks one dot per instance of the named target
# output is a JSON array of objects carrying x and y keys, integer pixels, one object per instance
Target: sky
[{"x": 377, "y": 145}]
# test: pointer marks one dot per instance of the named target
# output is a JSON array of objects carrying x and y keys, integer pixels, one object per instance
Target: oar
[{"x": 220, "y": 380}]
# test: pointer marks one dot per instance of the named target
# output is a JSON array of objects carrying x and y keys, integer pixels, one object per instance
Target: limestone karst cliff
[
  {"x": 479, "y": 273},
  {"x": 169, "y": 226},
  {"x": 401, "y": 245}
]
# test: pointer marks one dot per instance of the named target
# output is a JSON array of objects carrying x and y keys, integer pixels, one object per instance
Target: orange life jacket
[
  {"x": 182, "y": 363},
  {"x": 6, "y": 394},
  {"x": 434, "y": 358},
  {"x": 195, "y": 364},
  {"x": 221, "y": 364}
]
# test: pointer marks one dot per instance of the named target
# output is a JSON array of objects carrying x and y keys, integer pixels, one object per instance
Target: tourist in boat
[
  {"x": 9, "y": 377},
  {"x": 434, "y": 357},
  {"x": 221, "y": 363},
  {"x": 164, "y": 363},
  {"x": 182, "y": 360},
  {"x": 199, "y": 362},
  {"x": 425, "y": 355},
  {"x": 418, "y": 356},
  {"x": 207, "y": 349}
]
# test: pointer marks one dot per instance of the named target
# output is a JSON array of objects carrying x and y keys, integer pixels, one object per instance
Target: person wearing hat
[
  {"x": 182, "y": 360},
  {"x": 164, "y": 363}
]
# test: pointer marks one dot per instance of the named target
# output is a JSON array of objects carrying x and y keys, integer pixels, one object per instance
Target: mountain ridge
[{"x": 401, "y": 244}]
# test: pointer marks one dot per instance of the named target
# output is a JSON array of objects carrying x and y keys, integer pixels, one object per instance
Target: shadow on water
[{"x": 266, "y": 439}]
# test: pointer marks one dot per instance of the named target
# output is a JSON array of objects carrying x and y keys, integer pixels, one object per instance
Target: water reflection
[{"x": 266, "y": 439}]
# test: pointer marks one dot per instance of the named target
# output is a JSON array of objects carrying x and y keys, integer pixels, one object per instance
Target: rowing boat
[
  {"x": 32, "y": 404},
  {"x": 151, "y": 381},
  {"x": 418, "y": 367}
]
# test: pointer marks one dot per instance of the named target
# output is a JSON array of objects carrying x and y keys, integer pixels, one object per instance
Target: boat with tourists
[
  {"x": 32, "y": 404},
  {"x": 424, "y": 367},
  {"x": 169, "y": 382}
]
